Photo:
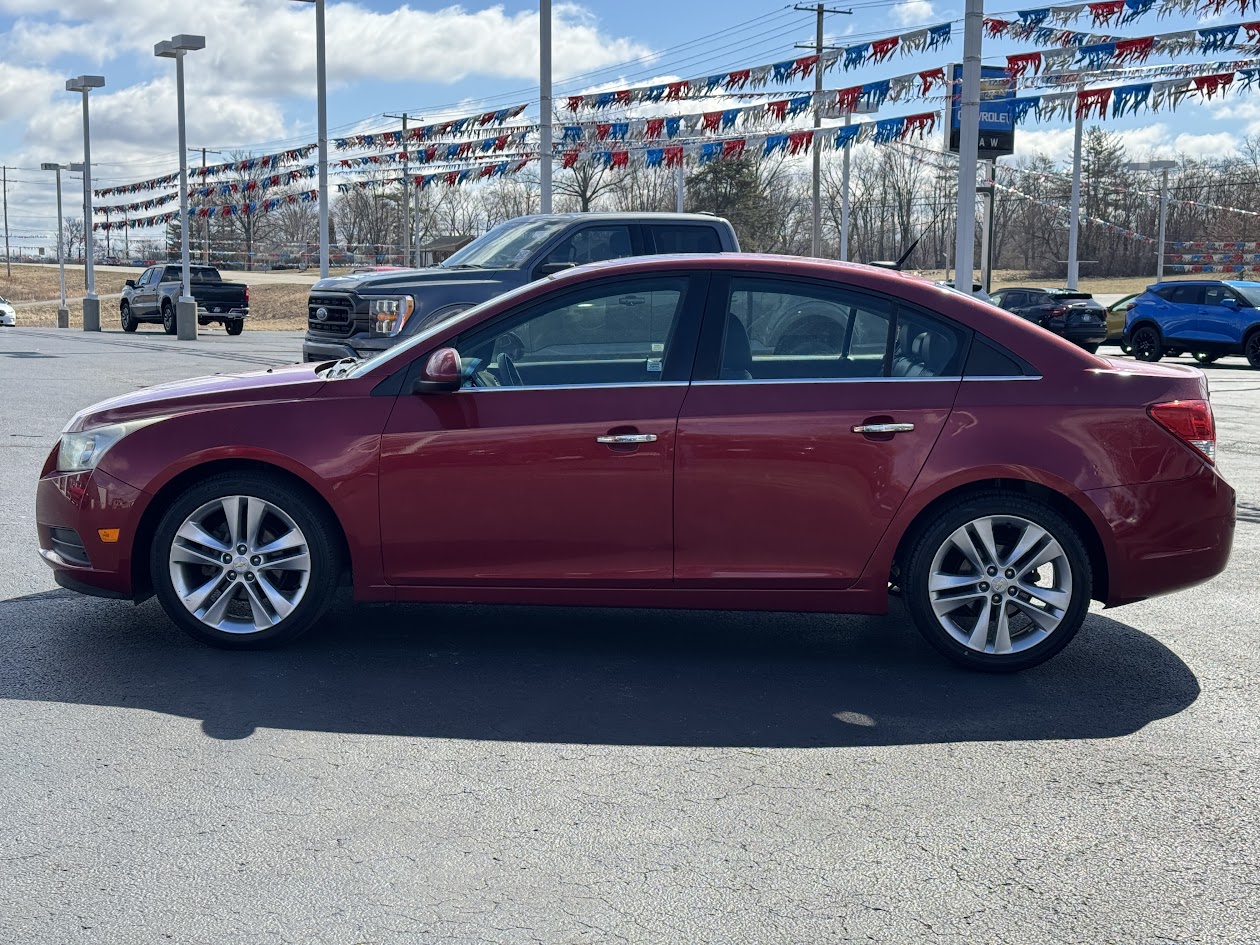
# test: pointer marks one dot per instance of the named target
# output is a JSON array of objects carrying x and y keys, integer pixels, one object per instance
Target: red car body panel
[{"x": 754, "y": 495}]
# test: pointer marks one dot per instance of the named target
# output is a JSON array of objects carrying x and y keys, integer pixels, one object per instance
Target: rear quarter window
[
  {"x": 988, "y": 359},
  {"x": 686, "y": 239}
]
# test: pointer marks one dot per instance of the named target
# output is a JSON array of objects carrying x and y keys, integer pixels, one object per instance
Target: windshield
[
  {"x": 506, "y": 246},
  {"x": 401, "y": 350},
  {"x": 1251, "y": 293}
]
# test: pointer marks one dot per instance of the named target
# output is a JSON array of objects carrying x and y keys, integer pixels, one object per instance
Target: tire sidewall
[
  {"x": 1251, "y": 348},
  {"x": 321, "y": 546},
  {"x": 124, "y": 315},
  {"x": 168, "y": 320},
  {"x": 1156, "y": 353},
  {"x": 934, "y": 534}
]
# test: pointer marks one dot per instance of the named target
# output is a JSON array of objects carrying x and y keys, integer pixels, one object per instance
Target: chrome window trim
[{"x": 576, "y": 386}]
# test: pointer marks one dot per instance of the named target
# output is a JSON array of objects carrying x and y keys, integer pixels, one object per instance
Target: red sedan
[{"x": 737, "y": 432}]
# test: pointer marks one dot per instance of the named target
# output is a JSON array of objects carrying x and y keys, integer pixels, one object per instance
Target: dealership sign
[{"x": 997, "y": 111}]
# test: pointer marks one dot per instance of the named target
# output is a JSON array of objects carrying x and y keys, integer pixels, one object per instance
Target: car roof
[{"x": 628, "y": 217}]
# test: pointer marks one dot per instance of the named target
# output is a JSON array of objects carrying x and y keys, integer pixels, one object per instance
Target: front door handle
[
  {"x": 622, "y": 439},
  {"x": 883, "y": 428}
]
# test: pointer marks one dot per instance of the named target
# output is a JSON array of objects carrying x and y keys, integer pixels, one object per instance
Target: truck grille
[{"x": 338, "y": 315}]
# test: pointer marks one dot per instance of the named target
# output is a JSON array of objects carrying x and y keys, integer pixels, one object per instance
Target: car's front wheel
[
  {"x": 1147, "y": 345},
  {"x": 168, "y": 318},
  {"x": 240, "y": 561},
  {"x": 998, "y": 582},
  {"x": 127, "y": 319},
  {"x": 1251, "y": 348}
]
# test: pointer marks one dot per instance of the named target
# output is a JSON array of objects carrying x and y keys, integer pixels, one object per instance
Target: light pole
[
  {"x": 63, "y": 313},
  {"x": 860, "y": 109},
  {"x": 544, "y": 105},
  {"x": 1163, "y": 167},
  {"x": 321, "y": 79},
  {"x": 186, "y": 307},
  {"x": 91, "y": 304}
]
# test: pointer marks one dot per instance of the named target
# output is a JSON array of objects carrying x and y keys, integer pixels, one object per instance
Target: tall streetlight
[
  {"x": 186, "y": 307},
  {"x": 1163, "y": 167},
  {"x": 544, "y": 105},
  {"x": 63, "y": 313},
  {"x": 321, "y": 78},
  {"x": 968, "y": 146},
  {"x": 91, "y": 304}
]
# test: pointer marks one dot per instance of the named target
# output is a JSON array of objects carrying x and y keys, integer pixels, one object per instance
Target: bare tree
[{"x": 72, "y": 234}]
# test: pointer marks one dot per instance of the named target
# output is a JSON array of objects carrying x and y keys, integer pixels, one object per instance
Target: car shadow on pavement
[{"x": 667, "y": 678}]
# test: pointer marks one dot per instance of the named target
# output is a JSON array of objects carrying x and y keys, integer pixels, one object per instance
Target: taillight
[
  {"x": 246, "y": 295},
  {"x": 1058, "y": 311},
  {"x": 1191, "y": 422}
]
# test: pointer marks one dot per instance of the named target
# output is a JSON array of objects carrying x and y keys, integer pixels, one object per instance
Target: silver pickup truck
[{"x": 152, "y": 298}]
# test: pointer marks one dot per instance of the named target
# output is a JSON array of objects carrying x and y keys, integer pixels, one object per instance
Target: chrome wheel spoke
[
  {"x": 297, "y": 562},
  {"x": 979, "y": 637},
  {"x": 232, "y": 512},
  {"x": 1002, "y": 638},
  {"x": 257, "y": 606},
  {"x": 188, "y": 554},
  {"x": 1056, "y": 598},
  {"x": 255, "y": 509},
  {"x": 961, "y": 539},
  {"x": 1033, "y": 534},
  {"x": 279, "y": 603},
  {"x": 193, "y": 532},
  {"x": 951, "y": 582},
  {"x": 218, "y": 610},
  {"x": 984, "y": 530},
  {"x": 286, "y": 542},
  {"x": 196, "y": 599},
  {"x": 1044, "y": 619}
]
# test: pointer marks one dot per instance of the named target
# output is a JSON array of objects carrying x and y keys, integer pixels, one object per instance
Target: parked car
[
  {"x": 614, "y": 437},
  {"x": 360, "y": 314},
  {"x": 977, "y": 289},
  {"x": 152, "y": 298},
  {"x": 1116, "y": 313},
  {"x": 8, "y": 314},
  {"x": 1066, "y": 312},
  {"x": 1208, "y": 318}
]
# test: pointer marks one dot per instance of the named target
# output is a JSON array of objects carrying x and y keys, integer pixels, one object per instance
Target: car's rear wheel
[
  {"x": 125, "y": 316},
  {"x": 168, "y": 318},
  {"x": 1147, "y": 345},
  {"x": 998, "y": 582},
  {"x": 239, "y": 561},
  {"x": 235, "y": 326},
  {"x": 1204, "y": 357},
  {"x": 1251, "y": 348}
]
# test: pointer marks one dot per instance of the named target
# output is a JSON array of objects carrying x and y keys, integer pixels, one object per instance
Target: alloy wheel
[
  {"x": 1146, "y": 345},
  {"x": 240, "y": 564},
  {"x": 1000, "y": 584}
]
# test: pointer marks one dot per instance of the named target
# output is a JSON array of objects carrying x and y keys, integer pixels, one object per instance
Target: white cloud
[
  {"x": 1150, "y": 141},
  {"x": 914, "y": 13}
]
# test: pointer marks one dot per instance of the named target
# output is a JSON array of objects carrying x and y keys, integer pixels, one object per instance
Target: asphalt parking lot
[{"x": 456, "y": 774}]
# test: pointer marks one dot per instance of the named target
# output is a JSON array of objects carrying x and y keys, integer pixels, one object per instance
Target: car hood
[
  {"x": 292, "y": 382},
  {"x": 384, "y": 283}
]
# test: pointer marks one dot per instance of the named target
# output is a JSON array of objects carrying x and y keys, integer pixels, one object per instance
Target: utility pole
[
  {"x": 544, "y": 105},
  {"x": 819, "y": 11},
  {"x": 406, "y": 214},
  {"x": 8, "y": 266},
  {"x": 968, "y": 146},
  {"x": 205, "y": 182}
]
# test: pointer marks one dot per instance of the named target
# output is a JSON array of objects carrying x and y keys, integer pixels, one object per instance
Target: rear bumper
[
  {"x": 85, "y": 503},
  {"x": 1085, "y": 334},
  {"x": 1165, "y": 536}
]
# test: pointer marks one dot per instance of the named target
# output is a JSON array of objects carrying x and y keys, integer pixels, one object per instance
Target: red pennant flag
[
  {"x": 804, "y": 66},
  {"x": 676, "y": 91},
  {"x": 574, "y": 103},
  {"x": 993, "y": 27},
  {"x": 1106, "y": 11},
  {"x": 570, "y": 158},
  {"x": 1253, "y": 32},
  {"x": 602, "y": 130},
  {"x": 881, "y": 49},
  {"x": 624, "y": 97},
  {"x": 619, "y": 159},
  {"x": 799, "y": 141},
  {"x": 777, "y": 110},
  {"x": 1018, "y": 65},
  {"x": 1092, "y": 100},
  {"x": 930, "y": 77},
  {"x": 734, "y": 148},
  {"x": 847, "y": 99},
  {"x": 452, "y": 178},
  {"x": 655, "y": 128},
  {"x": 738, "y": 79},
  {"x": 713, "y": 120},
  {"x": 919, "y": 124},
  {"x": 1209, "y": 85},
  {"x": 674, "y": 155},
  {"x": 1134, "y": 50}
]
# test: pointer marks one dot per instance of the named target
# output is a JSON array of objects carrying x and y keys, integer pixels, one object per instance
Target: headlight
[
  {"x": 388, "y": 316},
  {"x": 84, "y": 450}
]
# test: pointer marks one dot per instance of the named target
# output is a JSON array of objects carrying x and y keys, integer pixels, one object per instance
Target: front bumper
[
  {"x": 322, "y": 348},
  {"x": 85, "y": 504},
  {"x": 1166, "y": 536}
]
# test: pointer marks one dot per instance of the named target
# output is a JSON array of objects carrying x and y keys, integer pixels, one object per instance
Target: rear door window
[
  {"x": 1183, "y": 294},
  {"x": 1216, "y": 294},
  {"x": 685, "y": 239}
]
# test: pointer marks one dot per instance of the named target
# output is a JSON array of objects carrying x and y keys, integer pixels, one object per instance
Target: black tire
[
  {"x": 934, "y": 535},
  {"x": 1091, "y": 349},
  {"x": 1204, "y": 358},
  {"x": 124, "y": 314},
  {"x": 318, "y": 528},
  {"x": 1251, "y": 348},
  {"x": 203, "y": 322},
  {"x": 235, "y": 326},
  {"x": 168, "y": 318},
  {"x": 1126, "y": 348},
  {"x": 1147, "y": 344}
]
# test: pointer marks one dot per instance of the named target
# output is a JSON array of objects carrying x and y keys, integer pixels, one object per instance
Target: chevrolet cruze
[{"x": 738, "y": 432}]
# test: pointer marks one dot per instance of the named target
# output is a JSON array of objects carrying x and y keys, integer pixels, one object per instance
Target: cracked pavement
[{"x": 446, "y": 774}]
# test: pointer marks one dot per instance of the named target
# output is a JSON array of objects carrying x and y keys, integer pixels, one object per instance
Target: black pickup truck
[
  {"x": 360, "y": 314},
  {"x": 152, "y": 298}
]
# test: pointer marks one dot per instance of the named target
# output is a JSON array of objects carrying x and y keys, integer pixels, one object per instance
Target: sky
[{"x": 253, "y": 86}]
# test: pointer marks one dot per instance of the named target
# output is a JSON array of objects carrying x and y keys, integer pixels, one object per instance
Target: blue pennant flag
[
  {"x": 1134, "y": 9},
  {"x": 1044, "y": 35},
  {"x": 467, "y": 174},
  {"x": 1216, "y": 38},
  {"x": 673, "y": 126},
  {"x": 774, "y": 143},
  {"x": 1031, "y": 19},
  {"x": 710, "y": 152},
  {"x": 889, "y": 129},
  {"x": 654, "y": 157},
  {"x": 854, "y": 56},
  {"x": 1023, "y": 105},
  {"x": 1129, "y": 98},
  {"x": 619, "y": 131},
  {"x": 572, "y": 133},
  {"x": 1096, "y": 55},
  {"x": 605, "y": 100},
  {"x": 654, "y": 93},
  {"x": 501, "y": 115},
  {"x": 1248, "y": 77},
  {"x": 713, "y": 81},
  {"x": 874, "y": 93},
  {"x": 602, "y": 157},
  {"x": 798, "y": 104},
  {"x": 729, "y": 117},
  {"x": 452, "y": 151},
  {"x": 846, "y": 135},
  {"x": 782, "y": 70},
  {"x": 939, "y": 36}
]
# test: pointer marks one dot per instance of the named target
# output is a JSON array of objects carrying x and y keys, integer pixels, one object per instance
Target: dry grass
[
  {"x": 41, "y": 284},
  {"x": 271, "y": 307}
]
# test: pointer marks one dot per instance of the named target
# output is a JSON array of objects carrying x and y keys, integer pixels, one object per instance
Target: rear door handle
[
  {"x": 621, "y": 439},
  {"x": 883, "y": 428}
]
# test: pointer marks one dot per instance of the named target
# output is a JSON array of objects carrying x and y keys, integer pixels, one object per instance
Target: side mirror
[
  {"x": 442, "y": 373},
  {"x": 1230, "y": 303},
  {"x": 131, "y": 283},
  {"x": 551, "y": 268}
]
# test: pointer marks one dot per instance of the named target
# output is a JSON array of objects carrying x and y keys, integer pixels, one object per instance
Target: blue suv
[{"x": 1208, "y": 318}]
